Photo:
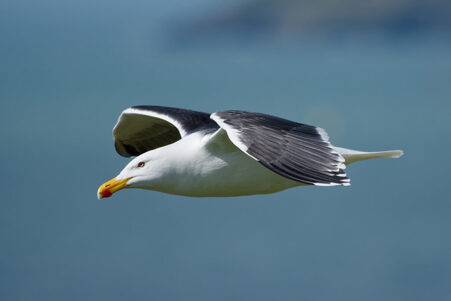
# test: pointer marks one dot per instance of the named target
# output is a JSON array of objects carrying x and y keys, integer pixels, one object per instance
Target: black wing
[
  {"x": 296, "y": 151},
  {"x": 143, "y": 128}
]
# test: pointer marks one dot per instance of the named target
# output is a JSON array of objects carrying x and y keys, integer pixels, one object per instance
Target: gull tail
[{"x": 351, "y": 156}]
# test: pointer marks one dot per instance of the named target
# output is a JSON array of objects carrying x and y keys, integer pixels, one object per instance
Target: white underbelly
[{"x": 229, "y": 174}]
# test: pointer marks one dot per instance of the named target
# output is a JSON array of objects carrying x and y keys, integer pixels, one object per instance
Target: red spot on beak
[{"x": 106, "y": 193}]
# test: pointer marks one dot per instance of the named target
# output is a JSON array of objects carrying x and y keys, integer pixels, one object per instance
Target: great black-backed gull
[{"x": 227, "y": 153}]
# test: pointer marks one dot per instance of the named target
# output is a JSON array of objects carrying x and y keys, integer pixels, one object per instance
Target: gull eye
[{"x": 141, "y": 164}]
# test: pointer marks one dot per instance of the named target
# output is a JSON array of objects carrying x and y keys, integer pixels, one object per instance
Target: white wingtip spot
[{"x": 322, "y": 132}]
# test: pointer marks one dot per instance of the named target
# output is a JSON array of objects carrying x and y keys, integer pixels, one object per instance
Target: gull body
[{"x": 203, "y": 170}]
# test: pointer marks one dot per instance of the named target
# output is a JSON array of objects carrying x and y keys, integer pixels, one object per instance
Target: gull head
[{"x": 141, "y": 172}]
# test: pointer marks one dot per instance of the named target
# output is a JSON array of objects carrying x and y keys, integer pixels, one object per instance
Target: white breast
[{"x": 202, "y": 170}]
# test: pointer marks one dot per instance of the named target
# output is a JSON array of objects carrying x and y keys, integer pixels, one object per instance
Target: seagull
[{"x": 225, "y": 154}]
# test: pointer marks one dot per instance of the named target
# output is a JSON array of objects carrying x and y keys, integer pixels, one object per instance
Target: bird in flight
[{"x": 227, "y": 153}]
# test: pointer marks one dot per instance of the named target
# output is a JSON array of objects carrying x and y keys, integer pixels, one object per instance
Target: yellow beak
[{"x": 107, "y": 189}]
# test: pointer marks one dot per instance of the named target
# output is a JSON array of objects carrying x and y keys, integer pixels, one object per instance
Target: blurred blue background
[{"x": 375, "y": 74}]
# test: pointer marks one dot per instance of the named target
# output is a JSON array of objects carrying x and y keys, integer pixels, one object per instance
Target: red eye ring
[{"x": 141, "y": 164}]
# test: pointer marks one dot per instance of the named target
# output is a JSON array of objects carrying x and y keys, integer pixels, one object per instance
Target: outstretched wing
[
  {"x": 296, "y": 151},
  {"x": 143, "y": 128}
]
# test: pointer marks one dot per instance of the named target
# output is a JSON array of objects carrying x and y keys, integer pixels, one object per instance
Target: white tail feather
[{"x": 351, "y": 156}]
